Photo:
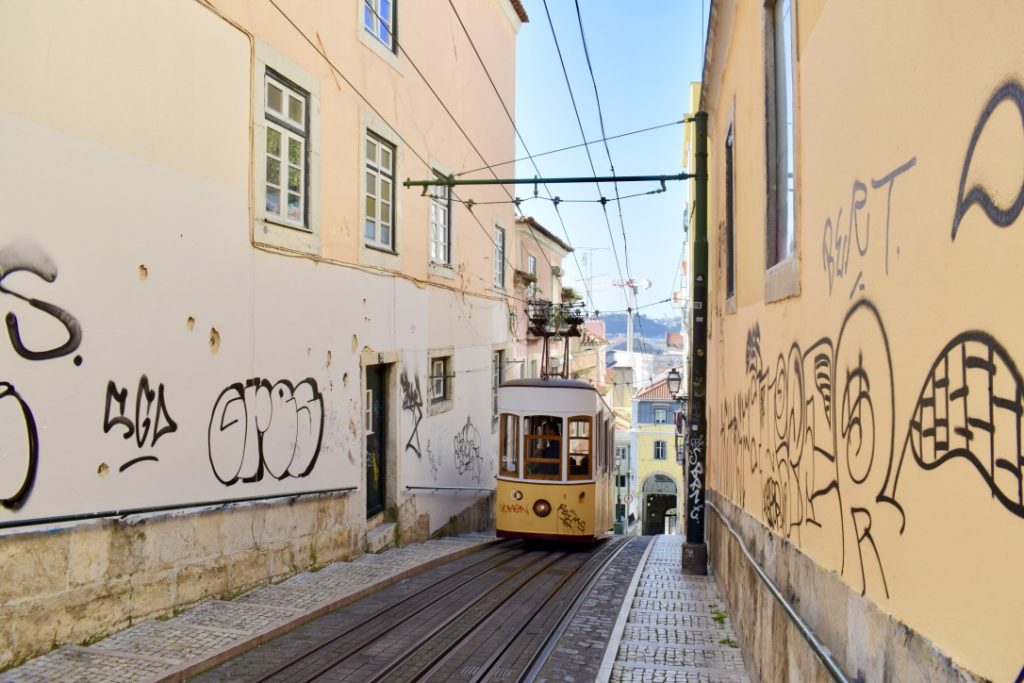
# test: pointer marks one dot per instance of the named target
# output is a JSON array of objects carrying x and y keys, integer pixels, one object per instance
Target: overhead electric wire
[
  {"x": 579, "y": 121},
  {"x": 570, "y": 147},
  {"x": 511, "y": 119},
  {"x": 607, "y": 149}
]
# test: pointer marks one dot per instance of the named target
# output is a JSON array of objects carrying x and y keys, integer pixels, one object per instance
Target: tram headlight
[{"x": 542, "y": 508}]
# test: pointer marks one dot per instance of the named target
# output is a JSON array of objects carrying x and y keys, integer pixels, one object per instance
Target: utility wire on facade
[{"x": 374, "y": 109}]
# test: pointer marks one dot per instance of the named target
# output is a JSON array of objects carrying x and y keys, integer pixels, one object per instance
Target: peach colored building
[
  {"x": 864, "y": 391},
  {"x": 222, "y": 295}
]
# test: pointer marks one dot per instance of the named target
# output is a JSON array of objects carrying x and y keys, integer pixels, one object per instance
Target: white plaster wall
[{"x": 149, "y": 253}]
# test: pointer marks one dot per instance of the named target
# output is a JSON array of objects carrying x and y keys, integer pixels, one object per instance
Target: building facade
[
  {"x": 228, "y": 319},
  {"x": 659, "y": 472},
  {"x": 538, "y": 256},
  {"x": 863, "y": 388}
]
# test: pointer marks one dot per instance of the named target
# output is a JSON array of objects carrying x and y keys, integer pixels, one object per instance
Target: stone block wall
[
  {"x": 81, "y": 582},
  {"x": 868, "y": 644}
]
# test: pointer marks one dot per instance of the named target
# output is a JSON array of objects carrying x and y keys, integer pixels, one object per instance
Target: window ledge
[
  {"x": 442, "y": 270},
  {"x": 782, "y": 280},
  {"x": 438, "y": 407},
  {"x": 383, "y": 250}
]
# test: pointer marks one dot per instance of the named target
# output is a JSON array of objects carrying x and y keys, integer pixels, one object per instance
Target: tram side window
[
  {"x": 543, "y": 446},
  {"x": 580, "y": 447},
  {"x": 509, "y": 455}
]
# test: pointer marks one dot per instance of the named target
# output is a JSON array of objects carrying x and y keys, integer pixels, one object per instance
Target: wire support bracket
[{"x": 452, "y": 181}]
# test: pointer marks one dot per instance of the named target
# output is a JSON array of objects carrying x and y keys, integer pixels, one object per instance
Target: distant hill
[{"x": 615, "y": 326}]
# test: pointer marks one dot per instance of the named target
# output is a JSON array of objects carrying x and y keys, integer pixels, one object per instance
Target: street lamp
[{"x": 673, "y": 381}]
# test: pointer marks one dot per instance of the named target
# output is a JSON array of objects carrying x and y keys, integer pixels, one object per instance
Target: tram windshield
[{"x": 543, "y": 447}]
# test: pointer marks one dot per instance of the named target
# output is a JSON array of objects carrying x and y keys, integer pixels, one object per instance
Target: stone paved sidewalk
[
  {"x": 166, "y": 650},
  {"x": 675, "y": 629}
]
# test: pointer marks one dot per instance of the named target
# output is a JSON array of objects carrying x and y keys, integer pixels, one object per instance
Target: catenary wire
[
  {"x": 579, "y": 121},
  {"x": 511, "y": 119},
  {"x": 607, "y": 149},
  {"x": 570, "y": 147}
]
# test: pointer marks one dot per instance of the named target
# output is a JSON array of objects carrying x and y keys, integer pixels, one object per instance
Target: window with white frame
[
  {"x": 440, "y": 223},
  {"x": 497, "y": 375},
  {"x": 531, "y": 268},
  {"x": 660, "y": 416},
  {"x": 660, "y": 450},
  {"x": 440, "y": 381},
  {"x": 620, "y": 455},
  {"x": 379, "y": 230},
  {"x": 781, "y": 170},
  {"x": 286, "y": 114},
  {"x": 379, "y": 20},
  {"x": 499, "y": 257}
]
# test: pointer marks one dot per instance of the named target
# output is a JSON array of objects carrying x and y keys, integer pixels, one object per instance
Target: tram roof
[{"x": 550, "y": 382}]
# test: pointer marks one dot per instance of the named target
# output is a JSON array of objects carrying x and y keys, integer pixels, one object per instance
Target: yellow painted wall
[{"x": 874, "y": 419}]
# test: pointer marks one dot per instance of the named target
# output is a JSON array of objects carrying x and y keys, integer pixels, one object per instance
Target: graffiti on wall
[
  {"x": 467, "y": 451},
  {"x": 695, "y": 473},
  {"x": 412, "y": 401},
  {"x": 17, "y": 423},
  {"x": 150, "y": 420},
  {"x": 979, "y": 195},
  {"x": 258, "y": 428},
  {"x": 27, "y": 256},
  {"x": 850, "y": 238},
  {"x": 815, "y": 431},
  {"x": 970, "y": 407},
  {"x": 434, "y": 460}
]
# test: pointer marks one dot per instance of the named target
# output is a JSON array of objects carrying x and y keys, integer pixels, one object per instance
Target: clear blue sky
[{"x": 644, "y": 56}]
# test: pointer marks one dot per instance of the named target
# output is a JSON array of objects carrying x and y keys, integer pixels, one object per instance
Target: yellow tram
[{"x": 556, "y": 467}]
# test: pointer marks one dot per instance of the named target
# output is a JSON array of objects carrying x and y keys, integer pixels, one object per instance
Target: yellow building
[
  {"x": 653, "y": 447},
  {"x": 863, "y": 389}
]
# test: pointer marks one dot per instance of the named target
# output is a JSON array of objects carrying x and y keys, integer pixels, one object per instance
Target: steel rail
[
  {"x": 368, "y": 620},
  {"x": 819, "y": 648},
  {"x": 531, "y": 573},
  {"x": 541, "y": 657}
]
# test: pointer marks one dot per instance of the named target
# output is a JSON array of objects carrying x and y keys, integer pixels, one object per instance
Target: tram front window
[
  {"x": 579, "y": 448},
  {"x": 544, "y": 447}
]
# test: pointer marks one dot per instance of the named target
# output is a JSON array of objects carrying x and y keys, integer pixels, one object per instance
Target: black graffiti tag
[
  {"x": 151, "y": 417},
  {"x": 261, "y": 428},
  {"x": 467, "y": 450},
  {"x": 1001, "y": 217},
  {"x": 29, "y": 257},
  {"x": 412, "y": 400},
  {"x": 570, "y": 519},
  {"x": 16, "y": 484}
]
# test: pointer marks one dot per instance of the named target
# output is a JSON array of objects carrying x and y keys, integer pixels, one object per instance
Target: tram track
[{"x": 496, "y": 619}]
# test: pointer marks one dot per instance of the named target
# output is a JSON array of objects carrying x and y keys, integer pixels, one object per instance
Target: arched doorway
[{"x": 659, "y": 496}]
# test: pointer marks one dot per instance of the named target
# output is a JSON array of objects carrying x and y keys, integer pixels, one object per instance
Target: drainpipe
[{"x": 695, "y": 550}]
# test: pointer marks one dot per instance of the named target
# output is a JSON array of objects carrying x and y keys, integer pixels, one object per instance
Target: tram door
[{"x": 376, "y": 437}]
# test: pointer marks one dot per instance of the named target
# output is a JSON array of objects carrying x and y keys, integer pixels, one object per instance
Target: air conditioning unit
[{"x": 557, "y": 271}]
